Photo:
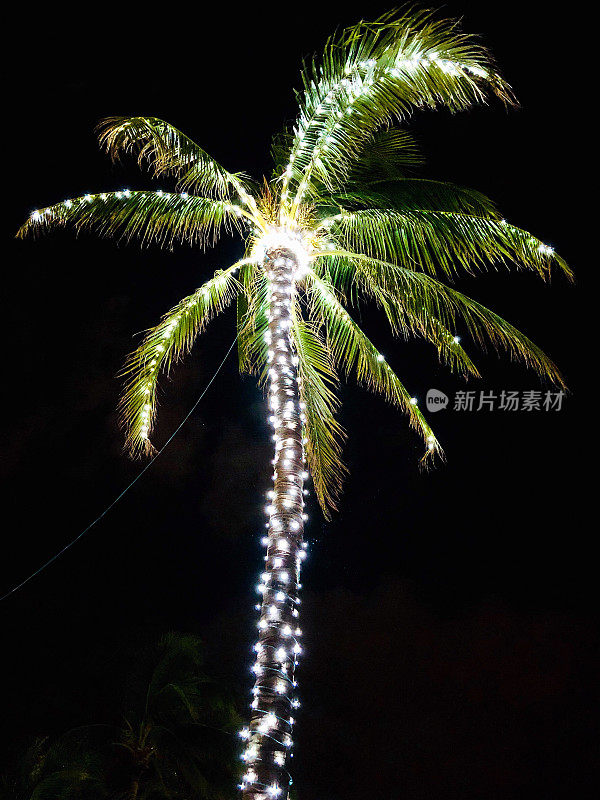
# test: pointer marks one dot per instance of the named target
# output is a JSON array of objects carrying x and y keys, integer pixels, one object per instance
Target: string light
[{"x": 285, "y": 252}]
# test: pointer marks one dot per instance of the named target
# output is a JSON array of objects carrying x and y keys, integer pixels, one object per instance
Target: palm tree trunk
[
  {"x": 134, "y": 788},
  {"x": 277, "y": 649}
]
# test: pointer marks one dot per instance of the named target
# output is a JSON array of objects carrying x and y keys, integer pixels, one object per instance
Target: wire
[{"x": 127, "y": 488}]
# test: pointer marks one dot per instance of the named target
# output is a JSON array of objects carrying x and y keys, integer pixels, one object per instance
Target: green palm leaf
[
  {"x": 388, "y": 155},
  {"x": 168, "y": 152},
  {"x": 372, "y": 75},
  {"x": 324, "y": 435},
  {"x": 432, "y": 304},
  {"x": 404, "y": 321},
  {"x": 353, "y": 351},
  {"x": 159, "y": 217},
  {"x": 420, "y": 194},
  {"x": 445, "y": 241},
  {"x": 163, "y": 345},
  {"x": 252, "y": 326}
]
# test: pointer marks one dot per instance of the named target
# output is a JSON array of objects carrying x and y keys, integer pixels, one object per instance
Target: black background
[{"x": 451, "y": 645}]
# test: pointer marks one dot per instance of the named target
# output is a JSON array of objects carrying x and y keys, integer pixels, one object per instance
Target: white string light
[{"x": 268, "y": 736}]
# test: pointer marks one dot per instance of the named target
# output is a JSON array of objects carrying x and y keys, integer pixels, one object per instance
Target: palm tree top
[{"x": 346, "y": 203}]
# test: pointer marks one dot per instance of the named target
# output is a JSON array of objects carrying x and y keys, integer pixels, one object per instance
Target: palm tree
[
  {"x": 66, "y": 768},
  {"x": 174, "y": 740},
  {"x": 344, "y": 217}
]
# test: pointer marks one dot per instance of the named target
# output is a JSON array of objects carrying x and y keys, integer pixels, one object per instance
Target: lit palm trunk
[{"x": 270, "y": 732}]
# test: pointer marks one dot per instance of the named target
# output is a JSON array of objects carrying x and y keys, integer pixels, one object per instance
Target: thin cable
[{"x": 127, "y": 488}]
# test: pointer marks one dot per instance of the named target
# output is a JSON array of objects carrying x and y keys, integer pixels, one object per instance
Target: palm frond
[
  {"x": 247, "y": 278},
  {"x": 167, "y": 151},
  {"x": 441, "y": 241},
  {"x": 253, "y": 325},
  {"x": 281, "y": 143},
  {"x": 160, "y": 217},
  {"x": 352, "y": 351},
  {"x": 421, "y": 194},
  {"x": 375, "y": 74},
  {"x": 391, "y": 155},
  {"x": 163, "y": 345},
  {"x": 388, "y": 155},
  {"x": 324, "y": 435},
  {"x": 434, "y": 304},
  {"x": 344, "y": 277}
]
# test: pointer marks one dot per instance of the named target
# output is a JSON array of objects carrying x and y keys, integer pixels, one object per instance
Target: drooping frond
[
  {"x": 167, "y": 151},
  {"x": 403, "y": 195},
  {"x": 163, "y": 345},
  {"x": 421, "y": 194},
  {"x": 281, "y": 143},
  {"x": 390, "y": 154},
  {"x": 247, "y": 279},
  {"x": 160, "y": 217},
  {"x": 324, "y": 434},
  {"x": 371, "y": 76},
  {"x": 253, "y": 325},
  {"x": 352, "y": 351},
  {"x": 317, "y": 381},
  {"x": 403, "y": 320},
  {"x": 433, "y": 304},
  {"x": 441, "y": 241},
  {"x": 449, "y": 350}
]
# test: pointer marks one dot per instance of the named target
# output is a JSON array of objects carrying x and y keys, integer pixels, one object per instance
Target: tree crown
[{"x": 345, "y": 199}]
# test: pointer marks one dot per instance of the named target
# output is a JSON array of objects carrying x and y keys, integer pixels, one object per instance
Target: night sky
[{"x": 449, "y": 617}]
